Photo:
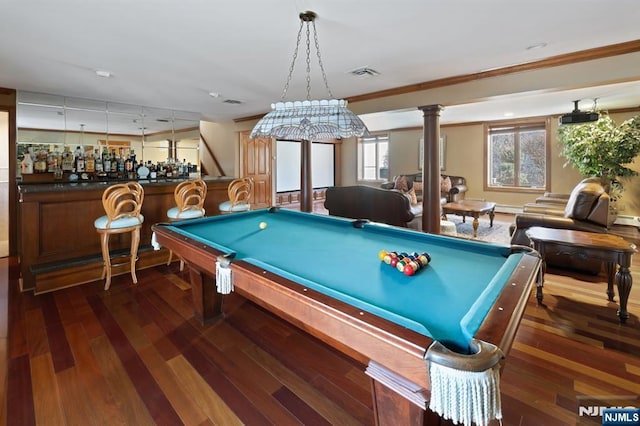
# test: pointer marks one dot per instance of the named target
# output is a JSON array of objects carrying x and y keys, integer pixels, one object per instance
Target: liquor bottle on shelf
[
  {"x": 120, "y": 164},
  {"x": 79, "y": 161},
  {"x": 52, "y": 161},
  {"x": 90, "y": 163},
  {"x": 26, "y": 166},
  {"x": 106, "y": 161},
  {"x": 114, "y": 162},
  {"x": 59, "y": 156},
  {"x": 98, "y": 161},
  {"x": 68, "y": 160},
  {"x": 40, "y": 165},
  {"x": 128, "y": 165}
]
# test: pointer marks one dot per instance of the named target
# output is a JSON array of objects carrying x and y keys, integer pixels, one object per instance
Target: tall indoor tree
[{"x": 602, "y": 149}]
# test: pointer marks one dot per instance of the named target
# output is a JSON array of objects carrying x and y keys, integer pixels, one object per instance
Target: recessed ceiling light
[
  {"x": 508, "y": 114},
  {"x": 102, "y": 73},
  {"x": 537, "y": 46},
  {"x": 214, "y": 94}
]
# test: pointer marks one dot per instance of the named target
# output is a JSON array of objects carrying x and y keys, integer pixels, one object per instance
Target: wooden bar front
[{"x": 58, "y": 244}]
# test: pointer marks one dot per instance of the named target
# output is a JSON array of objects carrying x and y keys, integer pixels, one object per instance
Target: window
[
  {"x": 517, "y": 156},
  {"x": 373, "y": 158},
  {"x": 288, "y": 165}
]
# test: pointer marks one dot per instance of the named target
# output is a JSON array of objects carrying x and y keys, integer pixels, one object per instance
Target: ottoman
[{"x": 447, "y": 227}]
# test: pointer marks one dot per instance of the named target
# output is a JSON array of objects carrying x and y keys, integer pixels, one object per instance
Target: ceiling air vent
[
  {"x": 364, "y": 71},
  {"x": 232, "y": 102}
]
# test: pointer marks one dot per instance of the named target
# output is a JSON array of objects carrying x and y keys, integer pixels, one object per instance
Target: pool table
[{"x": 323, "y": 274}]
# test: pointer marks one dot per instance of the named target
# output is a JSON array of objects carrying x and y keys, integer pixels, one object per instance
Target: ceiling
[{"x": 174, "y": 54}]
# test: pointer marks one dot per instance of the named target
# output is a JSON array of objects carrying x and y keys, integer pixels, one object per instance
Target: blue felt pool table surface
[{"x": 446, "y": 301}]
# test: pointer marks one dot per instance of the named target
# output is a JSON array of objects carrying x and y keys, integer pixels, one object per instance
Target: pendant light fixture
[
  {"x": 309, "y": 120},
  {"x": 314, "y": 120}
]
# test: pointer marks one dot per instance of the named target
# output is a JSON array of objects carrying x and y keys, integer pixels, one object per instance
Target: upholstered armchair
[
  {"x": 585, "y": 209},
  {"x": 453, "y": 188}
]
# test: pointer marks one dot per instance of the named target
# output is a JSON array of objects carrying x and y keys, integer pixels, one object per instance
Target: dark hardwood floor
[{"x": 135, "y": 355}]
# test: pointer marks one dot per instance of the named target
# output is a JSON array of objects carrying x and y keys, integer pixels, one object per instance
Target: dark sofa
[{"x": 376, "y": 204}]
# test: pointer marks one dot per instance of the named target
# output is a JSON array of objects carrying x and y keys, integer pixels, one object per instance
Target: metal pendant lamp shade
[{"x": 309, "y": 120}]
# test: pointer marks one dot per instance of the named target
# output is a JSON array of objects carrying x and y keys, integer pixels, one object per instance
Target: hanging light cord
[
  {"x": 324, "y": 75},
  {"x": 307, "y": 17}
]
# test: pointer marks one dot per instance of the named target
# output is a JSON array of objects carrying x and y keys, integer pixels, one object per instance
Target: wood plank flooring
[{"x": 135, "y": 355}]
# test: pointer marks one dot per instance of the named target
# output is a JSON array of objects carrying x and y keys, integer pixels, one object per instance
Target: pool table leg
[
  {"x": 207, "y": 301},
  {"x": 392, "y": 409},
  {"x": 397, "y": 401}
]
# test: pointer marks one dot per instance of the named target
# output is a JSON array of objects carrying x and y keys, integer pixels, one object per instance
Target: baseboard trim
[
  {"x": 501, "y": 208},
  {"x": 628, "y": 220}
]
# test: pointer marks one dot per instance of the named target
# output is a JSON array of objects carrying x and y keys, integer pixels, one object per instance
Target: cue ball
[{"x": 263, "y": 225}]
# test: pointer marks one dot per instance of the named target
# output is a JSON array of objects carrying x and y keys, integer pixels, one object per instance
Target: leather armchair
[
  {"x": 458, "y": 188},
  {"x": 585, "y": 209}
]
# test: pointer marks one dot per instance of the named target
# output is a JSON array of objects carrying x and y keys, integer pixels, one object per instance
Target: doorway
[
  {"x": 4, "y": 184},
  {"x": 256, "y": 164}
]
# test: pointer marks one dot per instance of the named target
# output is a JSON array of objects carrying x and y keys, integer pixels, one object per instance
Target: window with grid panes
[{"x": 373, "y": 157}]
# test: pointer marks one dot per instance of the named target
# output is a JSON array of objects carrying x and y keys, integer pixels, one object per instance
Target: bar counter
[{"x": 58, "y": 244}]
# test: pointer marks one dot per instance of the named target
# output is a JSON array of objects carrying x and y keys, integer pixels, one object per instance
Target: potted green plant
[{"x": 602, "y": 149}]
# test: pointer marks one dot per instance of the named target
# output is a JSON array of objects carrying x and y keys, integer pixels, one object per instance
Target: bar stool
[
  {"x": 239, "y": 191},
  {"x": 189, "y": 196},
  {"x": 122, "y": 203}
]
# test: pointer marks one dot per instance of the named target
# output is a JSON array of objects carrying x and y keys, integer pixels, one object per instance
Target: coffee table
[
  {"x": 611, "y": 249},
  {"x": 470, "y": 208}
]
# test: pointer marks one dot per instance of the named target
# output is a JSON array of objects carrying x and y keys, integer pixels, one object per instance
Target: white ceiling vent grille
[{"x": 364, "y": 71}]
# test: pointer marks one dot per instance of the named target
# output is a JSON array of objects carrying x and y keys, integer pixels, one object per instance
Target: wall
[
  {"x": 4, "y": 146},
  {"x": 224, "y": 142},
  {"x": 464, "y": 157}
]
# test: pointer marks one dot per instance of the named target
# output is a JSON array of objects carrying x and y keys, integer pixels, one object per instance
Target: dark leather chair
[{"x": 585, "y": 209}]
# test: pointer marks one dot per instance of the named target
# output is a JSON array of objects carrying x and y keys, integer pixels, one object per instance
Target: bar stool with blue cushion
[
  {"x": 122, "y": 204},
  {"x": 189, "y": 196},
  {"x": 240, "y": 192}
]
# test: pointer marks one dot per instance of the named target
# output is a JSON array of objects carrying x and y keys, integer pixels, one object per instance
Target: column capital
[{"x": 431, "y": 109}]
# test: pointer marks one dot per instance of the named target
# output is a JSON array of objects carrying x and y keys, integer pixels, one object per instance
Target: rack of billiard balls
[{"x": 406, "y": 263}]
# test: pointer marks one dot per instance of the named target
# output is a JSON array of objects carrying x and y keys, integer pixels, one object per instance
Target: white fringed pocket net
[
  {"x": 465, "y": 388},
  {"x": 224, "y": 281}
]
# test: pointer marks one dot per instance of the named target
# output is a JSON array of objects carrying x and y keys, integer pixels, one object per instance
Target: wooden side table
[{"x": 611, "y": 249}]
